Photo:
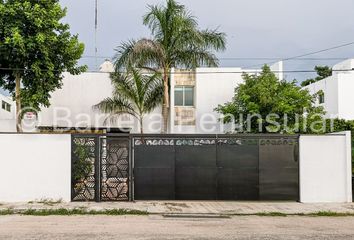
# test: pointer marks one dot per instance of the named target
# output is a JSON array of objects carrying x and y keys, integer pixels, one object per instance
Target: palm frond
[
  {"x": 212, "y": 39},
  {"x": 195, "y": 58},
  {"x": 153, "y": 97},
  {"x": 116, "y": 105},
  {"x": 134, "y": 93},
  {"x": 141, "y": 53}
]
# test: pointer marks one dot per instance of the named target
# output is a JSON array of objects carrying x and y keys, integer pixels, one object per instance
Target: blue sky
[{"x": 255, "y": 28}]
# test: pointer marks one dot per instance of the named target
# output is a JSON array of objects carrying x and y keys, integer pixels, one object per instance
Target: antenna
[{"x": 96, "y": 27}]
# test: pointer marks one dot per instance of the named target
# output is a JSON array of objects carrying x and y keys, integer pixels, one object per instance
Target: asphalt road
[{"x": 157, "y": 227}]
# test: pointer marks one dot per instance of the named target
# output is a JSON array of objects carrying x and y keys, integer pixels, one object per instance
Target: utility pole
[{"x": 96, "y": 28}]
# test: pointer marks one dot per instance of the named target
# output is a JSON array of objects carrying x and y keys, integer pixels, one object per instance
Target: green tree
[
  {"x": 134, "y": 93},
  {"x": 176, "y": 42},
  {"x": 262, "y": 100},
  {"x": 35, "y": 49},
  {"x": 322, "y": 73}
]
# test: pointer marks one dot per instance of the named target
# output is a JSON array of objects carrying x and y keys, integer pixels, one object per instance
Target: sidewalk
[{"x": 191, "y": 207}]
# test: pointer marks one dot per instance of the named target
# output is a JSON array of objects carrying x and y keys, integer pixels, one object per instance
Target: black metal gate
[
  {"x": 226, "y": 167},
  {"x": 100, "y": 168},
  {"x": 180, "y": 167}
]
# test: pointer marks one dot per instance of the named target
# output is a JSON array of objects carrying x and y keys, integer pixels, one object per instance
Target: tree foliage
[
  {"x": 134, "y": 93},
  {"x": 176, "y": 42},
  {"x": 262, "y": 98},
  {"x": 83, "y": 165},
  {"x": 37, "y": 47},
  {"x": 322, "y": 73}
]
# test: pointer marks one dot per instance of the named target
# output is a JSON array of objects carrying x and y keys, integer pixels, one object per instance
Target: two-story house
[{"x": 194, "y": 95}]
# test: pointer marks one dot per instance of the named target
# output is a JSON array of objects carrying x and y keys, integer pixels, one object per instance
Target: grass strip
[
  {"x": 80, "y": 211},
  {"x": 71, "y": 212},
  {"x": 121, "y": 212}
]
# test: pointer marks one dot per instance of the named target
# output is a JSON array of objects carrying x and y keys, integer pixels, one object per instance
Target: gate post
[
  {"x": 131, "y": 168},
  {"x": 98, "y": 169}
]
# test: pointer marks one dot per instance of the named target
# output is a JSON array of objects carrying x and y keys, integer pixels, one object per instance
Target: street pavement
[{"x": 16, "y": 227}]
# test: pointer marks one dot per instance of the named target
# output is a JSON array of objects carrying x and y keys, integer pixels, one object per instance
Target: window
[
  {"x": 184, "y": 96},
  {"x": 6, "y": 106},
  {"x": 321, "y": 98}
]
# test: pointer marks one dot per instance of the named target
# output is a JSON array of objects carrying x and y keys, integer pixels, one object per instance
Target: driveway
[{"x": 17, "y": 227}]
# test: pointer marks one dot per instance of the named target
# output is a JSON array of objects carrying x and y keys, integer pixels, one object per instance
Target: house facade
[
  {"x": 335, "y": 93},
  {"x": 194, "y": 96}
]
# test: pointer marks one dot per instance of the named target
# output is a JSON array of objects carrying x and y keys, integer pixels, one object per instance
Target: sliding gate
[{"x": 228, "y": 167}]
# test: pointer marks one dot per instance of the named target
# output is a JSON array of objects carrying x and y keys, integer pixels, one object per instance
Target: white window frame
[{"x": 184, "y": 95}]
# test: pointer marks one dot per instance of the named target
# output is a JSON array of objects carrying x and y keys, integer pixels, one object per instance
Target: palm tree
[
  {"x": 176, "y": 42},
  {"x": 134, "y": 93}
]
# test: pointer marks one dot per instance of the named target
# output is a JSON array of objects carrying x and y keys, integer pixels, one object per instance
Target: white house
[
  {"x": 337, "y": 91},
  {"x": 7, "y": 114},
  {"x": 194, "y": 96}
]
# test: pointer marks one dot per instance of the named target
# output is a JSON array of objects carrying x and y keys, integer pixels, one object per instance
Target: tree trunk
[
  {"x": 141, "y": 125},
  {"x": 142, "y": 129},
  {"x": 18, "y": 103},
  {"x": 166, "y": 102}
]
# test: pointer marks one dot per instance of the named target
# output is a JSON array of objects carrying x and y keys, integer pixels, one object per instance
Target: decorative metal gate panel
[
  {"x": 100, "y": 168},
  {"x": 114, "y": 169},
  {"x": 84, "y": 174}
]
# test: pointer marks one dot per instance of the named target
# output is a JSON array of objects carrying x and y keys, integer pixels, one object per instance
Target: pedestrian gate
[{"x": 100, "y": 168}]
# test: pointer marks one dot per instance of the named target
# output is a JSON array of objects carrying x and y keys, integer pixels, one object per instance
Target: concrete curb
[{"x": 190, "y": 207}]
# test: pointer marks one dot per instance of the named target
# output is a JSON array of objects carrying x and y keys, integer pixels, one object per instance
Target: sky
[{"x": 254, "y": 28}]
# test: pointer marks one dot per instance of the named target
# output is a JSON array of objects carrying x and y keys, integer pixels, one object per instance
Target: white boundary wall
[
  {"x": 34, "y": 167},
  {"x": 38, "y": 166},
  {"x": 325, "y": 168}
]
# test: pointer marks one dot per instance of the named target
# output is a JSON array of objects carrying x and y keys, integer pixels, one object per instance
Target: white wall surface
[
  {"x": 7, "y": 119},
  {"x": 346, "y": 95},
  {"x": 34, "y": 167},
  {"x": 7, "y": 125},
  {"x": 330, "y": 88},
  {"x": 325, "y": 168},
  {"x": 345, "y": 66},
  {"x": 78, "y": 94},
  {"x": 214, "y": 86},
  {"x": 74, "y": 102}
]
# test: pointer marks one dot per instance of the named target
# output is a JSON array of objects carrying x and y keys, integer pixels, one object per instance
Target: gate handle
[{"x": 296, "y": 152}]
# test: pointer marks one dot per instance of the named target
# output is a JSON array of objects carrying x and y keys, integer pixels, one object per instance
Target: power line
[
  {"x": 279, "y": 59},
  {"x": 224, "y": 58},
  {"x": 306, "y": 54},
  {"x": 194, "y": 72}
]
